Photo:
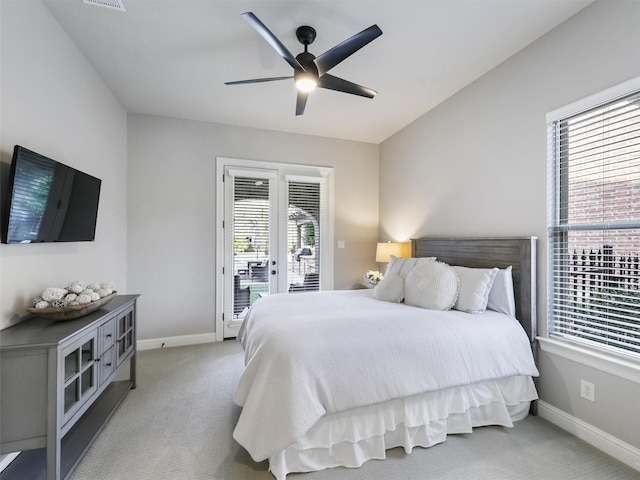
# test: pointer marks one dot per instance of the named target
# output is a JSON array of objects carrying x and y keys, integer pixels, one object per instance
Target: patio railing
[
  {"x": 604, "y": 268},
  {"x": 603, "y": 304}
]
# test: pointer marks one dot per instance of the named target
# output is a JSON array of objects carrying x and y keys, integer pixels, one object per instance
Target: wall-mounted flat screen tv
[{"x": 48, "y": 201}]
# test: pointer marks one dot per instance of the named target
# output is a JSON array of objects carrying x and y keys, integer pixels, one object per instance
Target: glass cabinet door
[
  {"x": 125, "y": 336},
  {"x": 80, "y": 373}
]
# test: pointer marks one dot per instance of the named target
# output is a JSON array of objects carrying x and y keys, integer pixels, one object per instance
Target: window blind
[
  {"x": 303, "y": 235},
  {"x": 594, "y": 225}
]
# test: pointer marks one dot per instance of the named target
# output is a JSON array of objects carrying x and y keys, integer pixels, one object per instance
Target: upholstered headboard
[{"x": 519, "y": 252}]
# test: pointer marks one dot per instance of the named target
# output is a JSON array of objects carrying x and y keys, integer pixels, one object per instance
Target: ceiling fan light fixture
[
  {"x": 305, "y": 82},
  {"x": 310, "y": 72}
]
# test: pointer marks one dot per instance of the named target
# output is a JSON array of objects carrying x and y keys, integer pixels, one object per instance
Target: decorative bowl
[{"x": 71, "y": 312}]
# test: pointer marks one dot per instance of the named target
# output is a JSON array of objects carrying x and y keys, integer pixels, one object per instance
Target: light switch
[{"x": 340, "y": 243}]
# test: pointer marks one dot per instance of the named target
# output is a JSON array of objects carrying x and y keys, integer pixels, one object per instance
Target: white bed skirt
[{"x": 350, "y": 438}]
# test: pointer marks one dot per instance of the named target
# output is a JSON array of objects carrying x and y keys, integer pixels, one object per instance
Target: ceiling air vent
[{"x": 113, "y": 4}]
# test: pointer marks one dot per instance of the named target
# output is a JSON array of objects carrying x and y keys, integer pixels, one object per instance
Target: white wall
[
  {"x": 54, "y": 103},
  {"x": 172, "y": 191},
  {"x": 476, "y": 166}
]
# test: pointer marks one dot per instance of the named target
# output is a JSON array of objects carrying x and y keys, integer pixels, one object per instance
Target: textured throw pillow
[
  {"x": 402, "y": 266},
  {"x": 433, "y": 285},
  {"x": 501, "y": 296},
  {"x": 475, "y": 285},
  {"x": 390, "y": 289}
]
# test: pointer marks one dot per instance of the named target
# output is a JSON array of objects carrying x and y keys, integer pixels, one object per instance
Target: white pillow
[
  {"x": 402, "y": 266},
  {"x": 475, "y": 285},
  {"x": 390, "y": 289},
  {"x": 501, "y": 296},
  {"x": 433, "y": 285}
]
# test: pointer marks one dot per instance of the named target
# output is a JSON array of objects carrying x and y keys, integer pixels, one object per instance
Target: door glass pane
[
  {"x": 71, "y": 395},
  {"x": 250, "y": 242},
  {"x": 87, "y": 352},
  {"x": 303, "y": 237},
  {"x": 86, "y": 380},
  {"x": 71, "y": 365},
  {"x": 122, "y": 326}
]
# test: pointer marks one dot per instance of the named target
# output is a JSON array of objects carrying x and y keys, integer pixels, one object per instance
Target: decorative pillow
[
  {"x": 433, "y": 285},
  {"x": 501, "y": 296},
  {"x": 390, "y": 289},
  {"x": 475, "y": 285},
  {"x": 402, "y": 266}
]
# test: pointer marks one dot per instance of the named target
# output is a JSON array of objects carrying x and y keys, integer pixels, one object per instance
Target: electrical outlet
[{"x": 588, "y": 390}]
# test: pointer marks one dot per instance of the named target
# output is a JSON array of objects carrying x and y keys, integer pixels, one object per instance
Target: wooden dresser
[{"x": 60, "y": 381}]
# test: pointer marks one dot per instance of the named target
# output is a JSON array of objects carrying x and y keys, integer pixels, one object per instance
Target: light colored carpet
[{"x": 178, "y": 423}]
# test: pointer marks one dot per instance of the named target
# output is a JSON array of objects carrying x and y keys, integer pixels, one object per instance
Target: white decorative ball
[
  {"x": 53, "y": 293},
  {"x": 71, "y": 297},
  {"x": 77, "y": 286},
  {"x": 83, "y": 298},
  {"x": 103, "y": 292},
  {"x": 42, "y": 304}
]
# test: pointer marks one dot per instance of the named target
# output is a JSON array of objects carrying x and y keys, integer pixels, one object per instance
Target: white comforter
[{"x": 315, "y": 353}]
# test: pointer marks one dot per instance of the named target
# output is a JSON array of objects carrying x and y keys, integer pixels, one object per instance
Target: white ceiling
[{"x": 172, "y": 57}]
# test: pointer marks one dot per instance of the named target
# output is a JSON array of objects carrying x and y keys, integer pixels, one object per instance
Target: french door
[{"x": 275, "y": 235}]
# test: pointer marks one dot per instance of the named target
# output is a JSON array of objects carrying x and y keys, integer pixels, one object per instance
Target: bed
[{"x": 337, "y": 378}]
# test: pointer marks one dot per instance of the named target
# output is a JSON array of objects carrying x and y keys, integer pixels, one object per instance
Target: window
[
  {"x": 303, "y": 234},
  {"x": 594, "y": 223}
]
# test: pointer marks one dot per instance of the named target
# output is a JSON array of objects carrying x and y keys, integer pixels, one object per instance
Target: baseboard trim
[
  {"x": 179, "y": 341},
  {"x": 622, "y": 451}
]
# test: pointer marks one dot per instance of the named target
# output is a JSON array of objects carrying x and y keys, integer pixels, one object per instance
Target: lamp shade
[{"x": 384, "y": 251}]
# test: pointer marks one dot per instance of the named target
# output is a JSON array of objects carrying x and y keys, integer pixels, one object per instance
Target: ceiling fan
[{"x": 310, "y": 71}]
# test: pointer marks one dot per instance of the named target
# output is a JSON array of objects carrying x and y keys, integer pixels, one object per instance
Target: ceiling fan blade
[
  {"x": 335, "y": 55},
  {"x": 258, "y": 80},
  {"x": 272, "y": 40},
  {"x": 301, "y": 102},
  {"x": 340, "y": 85}
]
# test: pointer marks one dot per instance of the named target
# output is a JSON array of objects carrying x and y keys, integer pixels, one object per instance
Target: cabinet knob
[
  {"x": 97, "y": 360},
  {"x": 109, "y": 335},
  {"x": 109, "y": 364}
]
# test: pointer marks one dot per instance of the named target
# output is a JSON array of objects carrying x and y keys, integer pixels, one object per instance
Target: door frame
[{"x": 284, "y": 171}]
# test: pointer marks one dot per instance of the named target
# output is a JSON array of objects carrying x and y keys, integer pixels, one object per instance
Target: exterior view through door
[
  {"x": 274, "y": 238},
  {"x": 251, "y": 231}
]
